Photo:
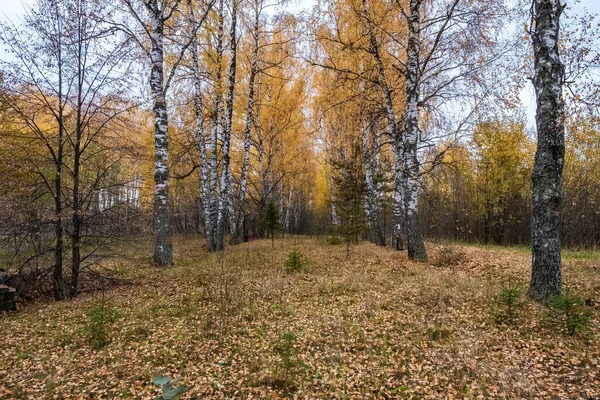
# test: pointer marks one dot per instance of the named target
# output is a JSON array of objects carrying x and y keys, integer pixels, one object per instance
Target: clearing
[{"x": 373, "y": 325}]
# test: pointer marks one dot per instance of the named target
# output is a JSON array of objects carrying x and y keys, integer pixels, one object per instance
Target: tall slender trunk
[
  {"x": 76, "y": 217},
  {"x": 398, "y": 214},
  {"x": 163, "y": 248},
  {"x": 205, "y": 186},
  {"x": 281, "y": 214},
  {"x": 549, "y": 158},
  {"x": 288, "y": 211},
  {"x": 398, "y": 217},
  {"x": 225, "y": 211},
  {"x": 416, "y": 247},
  {"x": 215, "y": 131},
  {"x": 241, "y": 214},
  {"x": 57, "y": 273},
  {"x": 330, "y": 183},
  {"x": 371, "y": 197}
]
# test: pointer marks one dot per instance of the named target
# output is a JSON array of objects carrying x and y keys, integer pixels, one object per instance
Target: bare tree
[
  {"x": 39, "y": 74},
  {"x": 64, "y": 93}
]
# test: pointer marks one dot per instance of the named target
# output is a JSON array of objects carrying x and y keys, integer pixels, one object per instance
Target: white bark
[
  {"x": 331, "y": 185},
  {"x": 239, "y": 217},
  {"x": 163, "y": 253},
  {"x": 214, "y": 135},
  {"x": 371, "y": 196},
  {"x": 398, "y": 215},
  {"x": 288, "y": 211},
  {"x": 225, "y": 201},
  {"x": 415, "y": 245},
  {"x": 205, "y": 184}
]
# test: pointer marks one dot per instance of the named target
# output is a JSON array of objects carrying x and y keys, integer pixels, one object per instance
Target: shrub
[
  {"x": 510, "y": 301},
  {"x": 570, "y": 311},
  {"x": 295, "y": 261},
  {"x": 438, "y": 333},
  {"x": 170, "y": 389},
  {"x": 334, "y": 240},
  {"x": 100, "y": 317}
]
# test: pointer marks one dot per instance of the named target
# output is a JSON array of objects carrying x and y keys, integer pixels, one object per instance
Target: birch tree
[
  {"x": 207, "y": 190},
  {"x": 371, "y": 190},
  {"x": 395, "y": 133},
  {"x": 154, "y": 25},
  {"x": 549, "y": 158},
  {"x": 415, "y": 245},
  {"x": 452, "y": 45},
  {"x": 239, "y": 216},
  {"x": 225, "y": 208}
]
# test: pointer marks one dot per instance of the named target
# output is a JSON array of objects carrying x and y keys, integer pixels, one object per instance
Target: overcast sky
[{"x": 13, "y": 10}]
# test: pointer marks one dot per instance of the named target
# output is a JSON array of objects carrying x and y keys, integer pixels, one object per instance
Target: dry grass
[{"x": 370, "y": 326}]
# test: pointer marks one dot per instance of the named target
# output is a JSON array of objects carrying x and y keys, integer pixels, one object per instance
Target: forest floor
[{"x": 373, "y": 325}]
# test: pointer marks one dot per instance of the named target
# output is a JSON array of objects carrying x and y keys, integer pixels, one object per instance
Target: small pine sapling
[
  {"x": 570, "y": 310},
  {"x": 510, "y": 301},
  {"x": 100, "y": 318},
  {"x": 290, "y": 366},
  {"x": 295, "y": 261},
  {"x": 270, "y": 220}
]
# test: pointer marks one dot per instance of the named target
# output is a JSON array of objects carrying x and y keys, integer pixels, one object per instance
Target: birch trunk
[
  {"x": 415, "y": 245},
  {"x": 371, "y": 197},
  {"x": 241, "y": 214},
  {"x": 398, "y": 216},
  {"x": 214, "y": 134},
  {"x": 163, "y": 250},
  {"x": 207, "y": 198},
  {"x": 225, "y": 201},
  {"x": 334, "y": 217},
  {"x": 288, "y": 211},
  {"x": 549, "y": 158}
]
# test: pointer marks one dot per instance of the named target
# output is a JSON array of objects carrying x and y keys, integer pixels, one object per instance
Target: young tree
[
  {"x": 97, "y": 105},
  {"x": 40, "y": 75},
  {"x": 350, "y": 193},
  {"x": 206, "y": 183},
  {"x": 270, "y": 220},
  {"x": 65, "y": 94},
  {"x": 549, "y": 159},
  {"x": 371, "y": 189},
  {"x": 399, "y": 213}
]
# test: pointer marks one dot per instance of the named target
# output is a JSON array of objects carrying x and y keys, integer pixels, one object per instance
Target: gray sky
[
  {"x": 528, "y": 94},
  {"x": 13, "y": 10}
]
